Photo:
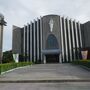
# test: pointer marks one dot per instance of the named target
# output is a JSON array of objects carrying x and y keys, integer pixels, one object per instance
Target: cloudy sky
[{"x": 20, "y": 12}]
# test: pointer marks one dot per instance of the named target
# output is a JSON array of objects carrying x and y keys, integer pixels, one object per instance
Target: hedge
[
  {"x": 9, "y": 66},
  {"x": 82, "y": 62}
]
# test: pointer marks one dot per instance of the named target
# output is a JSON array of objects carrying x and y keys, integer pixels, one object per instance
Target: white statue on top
[{"x": 51, "y": 23}]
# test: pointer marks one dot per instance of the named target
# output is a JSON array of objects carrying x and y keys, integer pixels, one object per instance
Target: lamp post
[{"x": 2, "y": 24}]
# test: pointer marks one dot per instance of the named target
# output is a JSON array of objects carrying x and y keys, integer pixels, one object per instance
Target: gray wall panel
[{"x": 16, "y": 43}]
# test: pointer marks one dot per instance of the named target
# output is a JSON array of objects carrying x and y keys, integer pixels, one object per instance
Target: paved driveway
[{"x": 47, "y": 72}]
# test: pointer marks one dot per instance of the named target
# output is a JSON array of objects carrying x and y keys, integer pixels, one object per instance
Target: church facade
[{"x": 50, "y": 39}]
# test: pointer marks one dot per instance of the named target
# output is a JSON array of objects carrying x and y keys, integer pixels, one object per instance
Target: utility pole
[{"x": 2, "y": 24}]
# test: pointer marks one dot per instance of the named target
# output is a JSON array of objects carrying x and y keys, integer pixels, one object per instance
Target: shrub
[
  {"x": 8, "y": 66},
  {"x": 7, "y": 57},
  {"x": 82, "y": 62}
]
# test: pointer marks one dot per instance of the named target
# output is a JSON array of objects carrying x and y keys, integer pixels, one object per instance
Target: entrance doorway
[{"x": 52, "y": 58}]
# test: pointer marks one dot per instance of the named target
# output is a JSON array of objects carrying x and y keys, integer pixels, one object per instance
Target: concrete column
[
  {"x": 44, "y": 59},
  {"x": 80, "y": 34},
  {"x": 24, "y": 42},
  {"x": 34, "y": 42},
  {"x": 77, "y": 40},
  {"x": 65, "y": 39},
  {"x": 31, "y": 41},
  {"x": 28, "y": 42},
  {"x": 69, "y": 39},
  {"x": 37, "y": 39},
  {"x": 76, "y": 34},
  {"x": 62, "y": 42},
  {"x": 1, "y": 42},
  {"x": 60, "y": 61},
  {"x": 41, "y": 34},
  {"x": 73, "y": 37}
]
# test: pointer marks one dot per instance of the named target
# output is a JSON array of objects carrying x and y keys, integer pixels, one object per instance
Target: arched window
[{"x": 52, "y": 42}]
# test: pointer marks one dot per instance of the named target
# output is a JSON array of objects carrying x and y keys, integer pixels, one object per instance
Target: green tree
[{"x": 7, "y": 57}]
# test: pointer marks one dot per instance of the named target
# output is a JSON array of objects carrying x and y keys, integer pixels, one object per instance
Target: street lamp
[{"x": 2, "y": 24}]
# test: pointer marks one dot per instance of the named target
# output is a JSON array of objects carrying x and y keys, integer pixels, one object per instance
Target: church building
[{"x": 51, "y": 39}]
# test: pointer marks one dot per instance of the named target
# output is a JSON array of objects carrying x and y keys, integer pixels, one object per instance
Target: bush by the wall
[
  {"x": 82, "y": 62},
  {"x": 8, "y": 66}
]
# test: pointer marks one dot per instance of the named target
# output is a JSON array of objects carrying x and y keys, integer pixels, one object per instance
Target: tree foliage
[{"x": 7, "y": 57}]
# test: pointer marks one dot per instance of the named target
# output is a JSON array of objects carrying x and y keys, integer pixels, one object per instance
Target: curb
[{"x": 42, "y": 81}]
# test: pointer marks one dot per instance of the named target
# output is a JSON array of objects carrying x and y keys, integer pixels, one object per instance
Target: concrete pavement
[
  {"x": 45, "y": 86},
  {"x": 47, "y": 72}
]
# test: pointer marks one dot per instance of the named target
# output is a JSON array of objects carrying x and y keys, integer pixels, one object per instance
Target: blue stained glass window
[{"x": 52, "y": 42}]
